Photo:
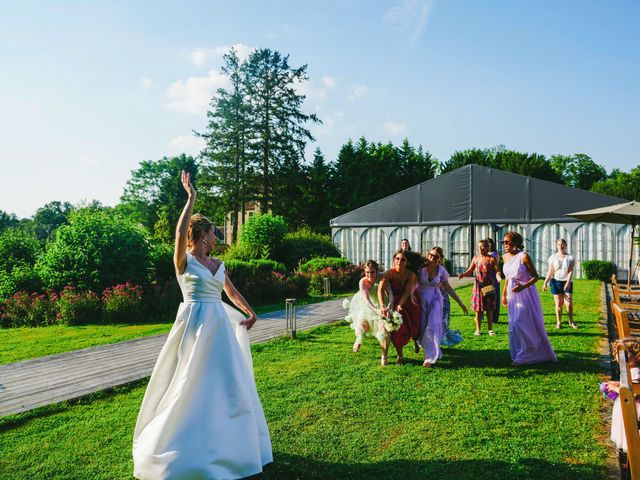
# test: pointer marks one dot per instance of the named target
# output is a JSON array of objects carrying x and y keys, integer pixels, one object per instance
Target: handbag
[{"x": 488, "y": 290}]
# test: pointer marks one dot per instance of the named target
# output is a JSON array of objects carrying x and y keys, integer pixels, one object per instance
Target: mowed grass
[
  {"x": 18, "y": 344},
  {"x": 335, "y": 414}
]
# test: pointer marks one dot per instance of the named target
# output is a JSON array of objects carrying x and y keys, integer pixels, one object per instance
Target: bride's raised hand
[{"x": 188, "y": 186}]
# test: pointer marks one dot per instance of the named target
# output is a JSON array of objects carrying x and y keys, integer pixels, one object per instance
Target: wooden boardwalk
[{"x": 55, "y": 378}]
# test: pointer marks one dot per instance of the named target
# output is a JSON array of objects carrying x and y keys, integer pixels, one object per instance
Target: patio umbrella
[{"x": 626, "y": 213}]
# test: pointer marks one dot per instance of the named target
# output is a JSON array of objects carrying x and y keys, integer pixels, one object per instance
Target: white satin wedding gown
[{"x": 201, "y": 417}]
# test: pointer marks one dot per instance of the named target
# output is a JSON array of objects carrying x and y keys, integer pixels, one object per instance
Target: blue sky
[{"x": 90, "y": 89}]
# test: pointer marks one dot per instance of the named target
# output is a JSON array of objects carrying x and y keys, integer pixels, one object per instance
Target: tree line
[{"x": 256, "y": 138}]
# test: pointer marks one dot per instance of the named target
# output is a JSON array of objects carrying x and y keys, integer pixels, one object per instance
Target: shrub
[
  {"x": 302, "y": 245},
  {"x": 122, "y": 303},
  {"x": 161, "y": 257},
  {"x": 242, "y": 251},
  {"x": 264, "y": 232},
  {"x": 35, "y": 310},
  {"x": 263, "y": 280},
  {"x": 95, "y": 250},
  {"x": 162, "y": 299},
  {"x": 15, "y": 310},
  {"x": 78, "y": 307},
  {"x": 294, "y": 285},
  {"x": 317, "y": 264},
  {"x": 43, "y": 310},
  {"x": 598, "y": 270},
  {"x": 341, "y": 279}
]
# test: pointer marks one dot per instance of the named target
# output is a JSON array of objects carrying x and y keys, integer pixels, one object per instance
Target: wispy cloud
[
  {"x": 145, "y": 83},
  {"x": 192, "y": 96},
  {"x": 329, "y": 82},
  {"x": 410, "y": 16},
  {"x": 358, "y": 91},
  {"x": 201, "y": 56},
  {"x": 189, "y": 144},
  {"x": 395, "y": 129}
]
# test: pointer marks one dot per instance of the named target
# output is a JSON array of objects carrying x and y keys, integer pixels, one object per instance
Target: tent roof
[{"x": 476, "y": 195}]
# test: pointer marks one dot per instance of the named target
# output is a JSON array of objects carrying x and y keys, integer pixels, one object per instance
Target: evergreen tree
[
  {"x": 317, "y": 194},
  {"x": 228, "y": 174},
  {"x": 277, "y": 122}
]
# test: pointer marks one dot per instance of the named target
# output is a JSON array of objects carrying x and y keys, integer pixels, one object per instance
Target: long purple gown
[
  {"x": 431, "y": 324},
  {"x": 528, "y": 340}
]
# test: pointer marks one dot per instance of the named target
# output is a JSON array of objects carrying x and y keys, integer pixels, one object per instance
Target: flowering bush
[
  {"x": 78, "y": 307},
  {"x": 15, "y": 310},
  {"x": 341, "y": 279},
  {"x": 122, "y": 303},
  {"x": 24, "y": 310},
  {"x": 44, "y": 309}
]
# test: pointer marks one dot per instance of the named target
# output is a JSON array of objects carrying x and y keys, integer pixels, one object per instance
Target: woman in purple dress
[
  {"x": 528, "y": 340},
  {"x": 432, "y": 275}
]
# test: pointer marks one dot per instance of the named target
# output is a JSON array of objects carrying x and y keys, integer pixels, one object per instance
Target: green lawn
[
  {"x": 23, "y": 343},
  {"x": 336, "y": 414}
]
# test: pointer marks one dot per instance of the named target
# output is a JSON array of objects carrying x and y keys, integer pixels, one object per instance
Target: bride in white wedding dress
[{"x": 201, "y": 416}]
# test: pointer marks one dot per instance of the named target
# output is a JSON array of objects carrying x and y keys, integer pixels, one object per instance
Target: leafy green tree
[
  {"x": 8, "y": 220},
  {"x": 50, "y": 217},
  {"x": 529, "y": 164},
  {"x": 621, "y": 184},
  {"x": 228, "y": 176},
  {"x": 277, "y": 122},
  {"x": 154, "y": 185},
  {"x": 578, "y": 170},
  {"x": 97, "y": 249}
]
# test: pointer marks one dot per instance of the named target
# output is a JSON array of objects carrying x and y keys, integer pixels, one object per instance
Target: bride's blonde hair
[{"x": 199, "y": 225}]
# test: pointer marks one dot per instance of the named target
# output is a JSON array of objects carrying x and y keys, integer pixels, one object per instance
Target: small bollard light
[
  {"x": 326, "y": 286},
  {"x": 290, "y": 308}
]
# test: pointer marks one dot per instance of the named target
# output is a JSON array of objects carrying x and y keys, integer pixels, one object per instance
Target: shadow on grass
[{"x": 287, "y": 466}]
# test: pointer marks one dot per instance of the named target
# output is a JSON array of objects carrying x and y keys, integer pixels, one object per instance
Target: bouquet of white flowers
[{"x": 393, "y": 322}]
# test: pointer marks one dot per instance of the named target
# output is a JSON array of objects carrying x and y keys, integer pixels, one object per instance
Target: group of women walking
[{"x": 417, "y": 289}]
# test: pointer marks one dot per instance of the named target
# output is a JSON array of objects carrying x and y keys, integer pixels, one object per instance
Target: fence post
[
  {"x": 326, "y": 286},
  {"x": 290, "y": 308}
]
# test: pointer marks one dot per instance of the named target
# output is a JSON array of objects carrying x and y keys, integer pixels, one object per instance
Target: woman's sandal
[
  {"x": 492, "y": 333},
  {"x": 427, "y": 364},
  {"x": 477, "y": 334},
  {"x": 573, "y": 325},
  {"x": 356, "y": 347},
  {"x": 558, "y": 326},
  {"x": 383, "y": 360}
]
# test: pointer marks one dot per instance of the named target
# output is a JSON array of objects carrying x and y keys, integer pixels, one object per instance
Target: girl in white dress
[
  {"x": 560, "y": 277},
  {"x": 365, "y": 314},
  {"x": 201, "y": 416}
]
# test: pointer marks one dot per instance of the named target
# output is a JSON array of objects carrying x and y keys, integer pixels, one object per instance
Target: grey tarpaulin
[{"x": 476, "y": 195}]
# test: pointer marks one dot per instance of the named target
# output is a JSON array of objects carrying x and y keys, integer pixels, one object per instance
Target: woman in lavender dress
[
  {"x": 528, "y": 340},
  {"x": 432, "y": 275}
]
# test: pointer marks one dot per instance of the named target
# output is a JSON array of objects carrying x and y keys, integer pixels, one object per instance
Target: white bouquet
[{"x": 393, "y": 322}]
